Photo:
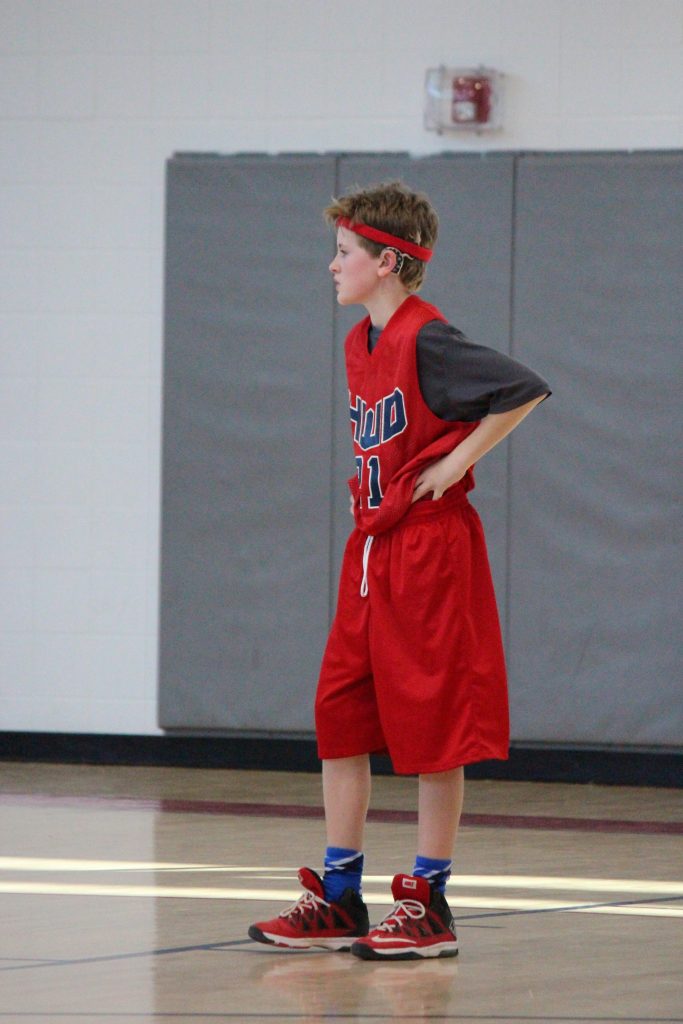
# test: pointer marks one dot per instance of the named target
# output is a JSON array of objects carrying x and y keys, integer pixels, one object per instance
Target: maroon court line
[{"x": 386, "y": 816}]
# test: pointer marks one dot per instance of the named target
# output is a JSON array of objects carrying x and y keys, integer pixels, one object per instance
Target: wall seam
[
  {"x": 333, "y": 432},
  {"x": 510, "y": 448}
]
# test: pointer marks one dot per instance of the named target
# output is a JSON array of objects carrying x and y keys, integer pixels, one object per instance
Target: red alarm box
[
  {"x": 471, "y": 102},
  {"x": 463, "y": 98}
]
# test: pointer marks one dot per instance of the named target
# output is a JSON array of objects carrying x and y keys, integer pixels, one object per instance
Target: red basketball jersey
[{"x": 395, "y": 434}]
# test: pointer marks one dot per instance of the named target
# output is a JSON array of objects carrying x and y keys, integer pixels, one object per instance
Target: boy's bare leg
[
  {"x": 440, "y": 799},
  {"x": 309, "y": 923},
  {"x": 421, "y": 923},
  {"x": 346, "y": 792}
]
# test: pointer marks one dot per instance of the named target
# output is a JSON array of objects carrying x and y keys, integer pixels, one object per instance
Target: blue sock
[
  {"x": 343, "y": 870},
  {"x": 436, "y": 871}
]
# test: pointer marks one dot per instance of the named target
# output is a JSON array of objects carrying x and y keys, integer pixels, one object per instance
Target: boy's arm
[{"x": 443, "y": 473}]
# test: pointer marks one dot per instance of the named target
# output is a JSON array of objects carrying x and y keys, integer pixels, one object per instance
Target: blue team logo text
[{"x": 373, "y": 425}]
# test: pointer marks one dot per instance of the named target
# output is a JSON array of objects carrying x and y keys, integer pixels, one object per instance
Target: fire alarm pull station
[{"x": 457, "y": 98}]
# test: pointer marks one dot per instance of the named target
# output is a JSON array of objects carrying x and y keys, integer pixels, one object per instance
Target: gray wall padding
[
  {"x": 569, "y": 262},
  {"x": 595, "y": 531},
  {"x": 247, "y": 436}
]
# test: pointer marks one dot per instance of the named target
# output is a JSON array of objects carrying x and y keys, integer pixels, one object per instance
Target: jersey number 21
[{"x": 374, "y": 486}]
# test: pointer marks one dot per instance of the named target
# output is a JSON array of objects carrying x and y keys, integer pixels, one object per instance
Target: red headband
[{"x": 418, "y": 252}]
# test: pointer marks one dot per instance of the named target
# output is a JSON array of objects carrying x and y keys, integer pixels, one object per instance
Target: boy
[{"x": 414, "y": 661}]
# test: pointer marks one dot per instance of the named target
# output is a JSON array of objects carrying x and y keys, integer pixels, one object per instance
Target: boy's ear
[{"x": 387, "y": 262}]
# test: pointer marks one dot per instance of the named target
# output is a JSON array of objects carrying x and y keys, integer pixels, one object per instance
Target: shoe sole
[
  {"x": 336, "y": 945},
  {"x": 364, "y": 952}
]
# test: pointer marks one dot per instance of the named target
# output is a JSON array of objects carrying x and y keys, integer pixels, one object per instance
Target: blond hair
[{"x": 394, "y": 208}]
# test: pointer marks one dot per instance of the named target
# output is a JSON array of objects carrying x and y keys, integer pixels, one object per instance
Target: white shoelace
[
  {"x": 366, "y": 559},
  {"x": 409, "y": 908},
  {"x": 308, "y": 899}
]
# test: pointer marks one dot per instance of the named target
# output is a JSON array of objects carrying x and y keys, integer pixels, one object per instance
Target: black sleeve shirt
[{"x": 462, "y": 381}]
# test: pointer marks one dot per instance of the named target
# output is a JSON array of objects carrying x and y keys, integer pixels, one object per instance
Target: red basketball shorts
[{"x": 416, "y": 667}]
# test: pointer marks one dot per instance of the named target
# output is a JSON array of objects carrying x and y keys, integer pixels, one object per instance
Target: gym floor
[{"x": 126, "y": 893}]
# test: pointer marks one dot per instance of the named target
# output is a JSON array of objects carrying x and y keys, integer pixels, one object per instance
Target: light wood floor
[{"x": 126, "y": 893}]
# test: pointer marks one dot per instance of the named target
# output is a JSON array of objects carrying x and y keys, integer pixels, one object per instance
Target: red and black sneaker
[
  {"x": 420, "y": 925},
  {"x": 312, "y": 921}
]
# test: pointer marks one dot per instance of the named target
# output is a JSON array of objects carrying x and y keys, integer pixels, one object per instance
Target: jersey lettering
[
  {"x": 394, "y": 420},
  {"x": 375, "y": 487},
  {"x": 375, "y": 494},
  {"x": 356, "y": 414},
  {"x": 374, "y": 426}
]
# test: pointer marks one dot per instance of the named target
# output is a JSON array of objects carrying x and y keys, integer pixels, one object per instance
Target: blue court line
[
  {"x": 218, "y": 946},
  {"x": 26, "y": 959},
  {"x": 126, "y": 956},
  {"x": 569, "y": 910},
  {"x": 241, "y": 1016}
]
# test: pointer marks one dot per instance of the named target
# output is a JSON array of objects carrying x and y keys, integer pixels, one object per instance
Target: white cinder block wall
[{"x": 94, "y": 96}]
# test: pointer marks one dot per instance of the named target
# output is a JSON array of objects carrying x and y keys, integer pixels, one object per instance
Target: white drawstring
[{"x": 366, "y": 559}]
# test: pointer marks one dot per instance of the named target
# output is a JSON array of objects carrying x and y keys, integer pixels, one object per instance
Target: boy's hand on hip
[
  {"x": 438, "y": 477},
  {"x": 441, "y": 475}
]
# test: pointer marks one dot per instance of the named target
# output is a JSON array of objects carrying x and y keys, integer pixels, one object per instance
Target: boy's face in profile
[{"x": 354, "y": 270}]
